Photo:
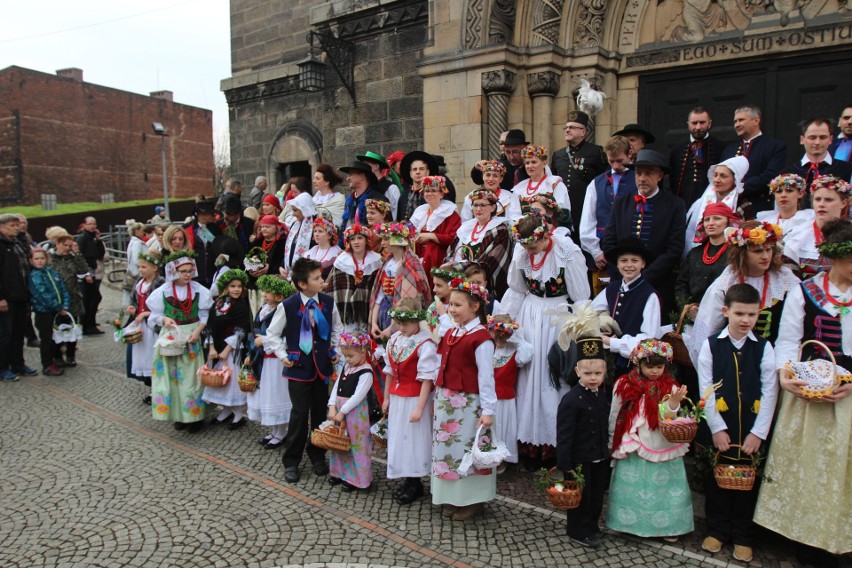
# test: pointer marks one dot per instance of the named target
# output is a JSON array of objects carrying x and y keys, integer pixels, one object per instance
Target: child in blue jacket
[{"x": 48, "y": 298}]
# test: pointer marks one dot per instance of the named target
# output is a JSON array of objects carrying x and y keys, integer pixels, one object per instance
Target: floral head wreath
[
  {"x": 407, "y": 315},
  {"x": 354, "y": 230},
  {"x": 275, "y": 285},
  {"x": 359, "y": 340},
  {"x": 447, "y": 274},
  {"x": 786, "y": 180},
  {"x": 434, "y": 182},
  {"x": 399, "y": 229},
  {"x": 494, "y": 166},
  {"x": 832, "y": 182},
  {"x": 484, "y": 194},
  {"x": 538, "y": 233},
  {"x": 231, "y": 275},
  {"x": 151, "y": 258},
  {"x": 501, "y": 327},
  {"x": 649, "y": 348},
  {"x": 545, "y": 199},
  {"x": 764, "y": 233},
  {"x": 328, "y": 227},
  {"x": 539, "y": 152},
  {"x": 382, "y": 207},
  {"x": 179, "y": 258},
  {"x": 463, "y": 285}
]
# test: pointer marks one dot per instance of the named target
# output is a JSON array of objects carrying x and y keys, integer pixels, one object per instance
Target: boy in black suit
[{"x": 581, "y": 439}]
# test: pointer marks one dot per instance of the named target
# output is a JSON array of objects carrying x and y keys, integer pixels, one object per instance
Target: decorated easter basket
[
  {"x": 681, "y": 430},
  {"x": 822, "y": 376},
  {"x": 172, "y": 341},
  {"x": 379, "y": 433},
  {"x": 565, "y": 494},
  {"x": 246, "y": 379},
  {"x": 214, "y": 378},
  {"x": 331, "y": 436},
  {"x": 735, "y": 477}
]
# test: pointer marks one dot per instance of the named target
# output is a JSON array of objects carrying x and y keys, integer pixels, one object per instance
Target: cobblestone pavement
[{"x": 89, "y": 479}]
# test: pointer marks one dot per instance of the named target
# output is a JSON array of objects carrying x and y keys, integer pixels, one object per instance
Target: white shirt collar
[
  {"x": 737, "y": 342},
  {"x": 706, "y": 136},
  {"x": 306, "y": 298},
  {"x": 471, "y": 325},
  {"x": 752, "y": 139},
  {"x": 827, "y": 159}
]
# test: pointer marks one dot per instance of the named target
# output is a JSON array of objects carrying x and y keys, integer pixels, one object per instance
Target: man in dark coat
[
  {"x": 511, "y": 159},
  {"x": 235, "y": 224},
  {"x": 363, "y": 185},
  {"x": 200, "y": 233},
  {"x": 657, "y": 218},
  {"x": 817, "y": 161},
  {"x": 414, "y": 167},
  {"x": 765, "y": 155},
  {"x": 14, "y": 298},
  {"x": 841, "y": 148},
  {"x": 93, "y": 250},
  {"x": 690, "y": 159}
]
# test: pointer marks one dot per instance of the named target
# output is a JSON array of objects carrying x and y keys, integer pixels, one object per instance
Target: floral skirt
[
  {"x": 354, "y": 466},
  {"x": 454, "y": 427},
  {"x": 649, "y": 498},
  {"x": 175, "y": 386}
]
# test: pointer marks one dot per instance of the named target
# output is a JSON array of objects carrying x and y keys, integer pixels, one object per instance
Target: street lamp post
[{"x": 160, "y": 131}]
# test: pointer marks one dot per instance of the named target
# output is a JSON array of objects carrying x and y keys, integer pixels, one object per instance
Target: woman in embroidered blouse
[
  {"x": 535, "y": 162},
  {"x": 437, "y": 222},
  {"x": 492, "y": 175},
  {"x": 484, "y": 239},
  {"x": 726, "y": 185},
  {"x": 135, "y": 247},
  {"x": 789, "y": 192},
  {"x": 300, "y": 238},
  {"x": 831, "y": 199},
  {"x": 812, "y": 444},
  {"x": 351, "y": 278},
  {"x": 326, "y": 250},
  {"x": 753, "y": 258},
  {"x": 378, "y": 213},
  {"x": 325, "y": 198},
  {"x": 546, "y": 271}
]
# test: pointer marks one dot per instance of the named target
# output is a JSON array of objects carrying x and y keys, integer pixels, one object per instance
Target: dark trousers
[
  {"x": 310, "y": 408},
  {"x": 91, "y": 301},
  {"x": 730, "y": 513},
  {"x": 12, "y": 324},
  {"x": 49, "y": 351},
  {"x": 583, "y": 521},
  {"x": 30, "y": 332}
]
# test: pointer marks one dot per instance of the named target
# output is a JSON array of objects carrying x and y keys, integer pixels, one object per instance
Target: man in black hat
[
  {"x": 638, "y": 137},
  {"x": 689, "y": 160},
  {"x": 388, "y": 183},
  {"x": 362, "y": 183},
  {"x": 200, "y": 233},
  {"x": 657, "y": 218},
  {"x": 234, "y": 224},
  {"x": 414, "y": 167},
  {"x": 511, "y": 158},
  {"x": 577, "y": 164}
]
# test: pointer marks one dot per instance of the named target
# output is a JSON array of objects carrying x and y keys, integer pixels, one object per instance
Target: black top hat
[
  {"x": 362, "y": 168},
  {"x": 373, "y": 157},
  {"x": 579, "y": 117},
  {"x": 648, "y": 157},
  {"x": 205, "y": 206},
  {"x": 636, "y": 129},
  {"x": 516, "y": 137},
  {"x": 232, "y": 204},
  {"x": 405, "y": 165},
  {"x": 630, "y": 244}
]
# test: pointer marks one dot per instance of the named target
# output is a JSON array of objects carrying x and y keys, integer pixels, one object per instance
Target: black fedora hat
[
  {"x": 636, "y": 129},
  {"x": 630, "y": 244},
  {"x": 205, "y": 206},
  {"x": 516, "y": 137},
  {"x": 232, "y": 204},
  {"x": 648, "y": 157},
  {"x": 361, "y": 168},
  {"x": 425, "y": 157}
]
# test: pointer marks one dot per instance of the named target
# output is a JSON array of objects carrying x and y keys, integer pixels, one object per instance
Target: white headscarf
[
  {"x": 301, "y": 232},
  {"x": 739, "y": 167}
]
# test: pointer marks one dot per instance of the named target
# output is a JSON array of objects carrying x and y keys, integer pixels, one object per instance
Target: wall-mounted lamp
[{"x": 341, "y": 55}]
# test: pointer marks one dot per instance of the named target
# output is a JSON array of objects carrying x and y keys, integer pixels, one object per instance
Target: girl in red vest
[
  {"x": 511, "y": 353},
  {"x": 412, "y": 366},
  {"x": 464, "y": 400}
]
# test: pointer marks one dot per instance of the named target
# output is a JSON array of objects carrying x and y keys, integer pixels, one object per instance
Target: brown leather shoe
[
  {"x": 743, "y": 553},
  {"x": 467, "y": 513},
  {"x": 712, "y": 544},
  {"x": 449, "y": 510}
]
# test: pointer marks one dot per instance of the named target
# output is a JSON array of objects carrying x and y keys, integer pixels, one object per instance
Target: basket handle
[
  {"x": 716, "y": 457},
  {"x": 825, "y": 347},
  {"x": 679, "y": 327}
]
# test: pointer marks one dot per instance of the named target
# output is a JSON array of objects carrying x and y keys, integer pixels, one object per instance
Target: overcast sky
[{"x": 178, "y": 45}]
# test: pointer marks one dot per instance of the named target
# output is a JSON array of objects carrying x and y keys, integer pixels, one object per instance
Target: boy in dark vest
[
  {"x": 304, "y": 334},
  {"x": 739, "y": 414},
  {"x": 630, "y": 300}
]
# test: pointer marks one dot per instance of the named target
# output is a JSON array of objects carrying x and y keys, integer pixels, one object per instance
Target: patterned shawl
[
  {"x": 410, "y": 281},
  {"x": 637, "y": 393}
]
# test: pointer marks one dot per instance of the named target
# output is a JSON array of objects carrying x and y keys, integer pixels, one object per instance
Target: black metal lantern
[{"x": 311, "y": 70}]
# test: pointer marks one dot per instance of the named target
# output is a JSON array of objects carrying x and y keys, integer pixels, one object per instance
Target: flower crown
[
  {"x": 531, "y": 151},
  {"x": 447, "y": 274},
  {"x": 402, "y": 229},
  {"x": 434, "y": 182},
  {"x": 545, "y": 199},
  {"x": 275, "y": 285},
  {"x": 231, "y": 275},
  {"x": 407, "y": 315},
  {"x": 151, "y": 258},
  {"x": 362, "y": 230},
  {"x": 382, "y": 207},
  {"x": 355, "y": 341},
  {"x": 328, "y": 227},
  {"x": 764, "y": 233},
  {"x": 786, "y": 180},
  {"x": 484, "y": 194},
  {"x": 649, "y": 348},
  {"x": 501, "y": 327},
  {"x": 463, "y": 285},
  {"x": 494, "y": 166},
  {"x": 178, "y": 255},
  {"x": 538, "y": 233},
  {"x": 831, "y": 182}
]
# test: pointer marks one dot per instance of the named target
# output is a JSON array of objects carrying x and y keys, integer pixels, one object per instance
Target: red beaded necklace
[
  {"x": 452, "y": 339},
  {"x": 476, "y": 231},
  {"x": 834, "y": 301},
  {"x": 765, "y": 288},
  {"x": 532, "y": 189},
  {"x": 537, "y": 265},
  {"x": 708, "y": 260},
  {"x": 184, "y": 305}
]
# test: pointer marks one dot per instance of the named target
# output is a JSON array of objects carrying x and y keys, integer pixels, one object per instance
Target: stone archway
[{"x": 296, "y": 142}]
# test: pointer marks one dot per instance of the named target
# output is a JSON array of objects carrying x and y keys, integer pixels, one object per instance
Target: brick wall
[{"x": 80, "y": 140}]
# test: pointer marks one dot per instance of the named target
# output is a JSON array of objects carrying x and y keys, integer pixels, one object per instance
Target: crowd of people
[{"x": 531, "y": 314}]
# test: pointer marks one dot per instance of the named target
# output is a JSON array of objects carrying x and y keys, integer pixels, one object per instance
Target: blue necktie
[{"x": 306, "y": 338}]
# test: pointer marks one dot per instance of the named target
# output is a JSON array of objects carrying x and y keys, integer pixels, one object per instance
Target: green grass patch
[{"x": 33, "y": 211}]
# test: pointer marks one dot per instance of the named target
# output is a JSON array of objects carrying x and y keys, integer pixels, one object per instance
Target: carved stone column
[
  {"x": 497, "y": 86},
  {"x": 542, "y": 87}
]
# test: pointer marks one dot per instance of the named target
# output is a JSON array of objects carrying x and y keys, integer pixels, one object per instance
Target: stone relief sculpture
[
  {"x": 590, "y": 23},
  {"x": 497, "y": 28},
  {"x": 501, "y": 25},
  {"x": 546, "y": 19}
]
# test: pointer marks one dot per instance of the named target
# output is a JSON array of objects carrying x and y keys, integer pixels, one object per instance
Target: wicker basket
[
  {"x": 817, "y": 367},
  {"x": 568, "y": 498},
  {"x": 247, "y": 381},
  {"x": 379, "y": 441},
  {"x": 735, "y": 477},
  {"x": 679, "y": 432},
  {"x": 675, "y": 339},
  {"x": 333, "y": 438},
  {"x": 134, "y": 337},
  {"x": 213, "y": 378}
]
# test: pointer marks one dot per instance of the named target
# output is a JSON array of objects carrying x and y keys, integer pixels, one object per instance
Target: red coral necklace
[{"x": 537, "y": 265}]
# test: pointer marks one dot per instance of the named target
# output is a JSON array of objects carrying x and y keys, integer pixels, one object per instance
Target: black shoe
[
  {"x": 291, "y": 474},
  {"x": 238, "y": 424},
  {"x": 52, "y": 371},
  {"x": 588, "y": 542},
  {"x": 320, "y": 468},
  {"x": 413, "y": 493},
  {"x": 181, "y": 425},
  {"x": 334, "y": 480},
  {"x": 346, "y": 488},
  {"x": 71, "y": 363},
  {"x": 33, "y": 343},
  {"x": 402, "y": 488},
  {"x": 265, "y": 440},
  {"x": 146, "y": 400},
  {"x": 195, "y": 427},
  {"x": 25, "y": 371},
  {"x": 275, "y": 445}
]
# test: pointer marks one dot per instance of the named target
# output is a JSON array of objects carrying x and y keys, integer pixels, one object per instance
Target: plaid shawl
[
  {"x": 353, "y": 301},
  {"x": 410, "y": 282},
  {"x": 494, "y": 253}
]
